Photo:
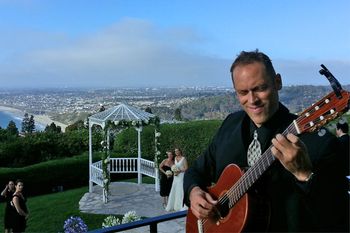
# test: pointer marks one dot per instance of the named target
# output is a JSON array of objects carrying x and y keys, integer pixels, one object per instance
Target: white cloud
[{"x": 131, "y": 52}]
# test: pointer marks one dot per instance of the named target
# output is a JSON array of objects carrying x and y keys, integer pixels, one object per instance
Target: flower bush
[
  {"x": 111, "y": 220},
  {"x": 74, "y": 224},
  {"x": 130, "y": 217}
]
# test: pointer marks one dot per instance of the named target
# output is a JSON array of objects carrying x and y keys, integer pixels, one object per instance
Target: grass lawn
[{"x": 48, "y": 212}]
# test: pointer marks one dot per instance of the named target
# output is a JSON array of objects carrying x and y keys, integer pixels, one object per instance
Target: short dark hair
[
  {"x": 344, "y": 127},
  {"x": 245, "y": 58},
  {"x": 19, "y": 181}
]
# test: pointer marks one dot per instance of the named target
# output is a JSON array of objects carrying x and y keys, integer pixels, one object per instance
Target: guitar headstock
[{"x": 323, "y": 111}]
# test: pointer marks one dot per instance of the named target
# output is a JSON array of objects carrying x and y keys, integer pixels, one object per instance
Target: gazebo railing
[
  {"x": 148, "y": 168},
  {"x": 129, "y": 165},
  {"x": 96, "y": 173},
  {"x": 123, "y": 165}
]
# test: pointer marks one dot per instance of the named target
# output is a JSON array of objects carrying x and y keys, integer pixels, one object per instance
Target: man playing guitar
[{"x": 301, "y": 183}]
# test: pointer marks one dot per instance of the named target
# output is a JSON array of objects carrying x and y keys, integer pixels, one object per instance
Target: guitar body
[{"x": 236, "y": 218}]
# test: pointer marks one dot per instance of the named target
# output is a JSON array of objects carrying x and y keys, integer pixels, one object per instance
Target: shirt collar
[{"x": 270, "y": 127}]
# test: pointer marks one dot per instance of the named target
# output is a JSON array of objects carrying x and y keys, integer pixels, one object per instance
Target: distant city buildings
[{"x": 69, "y": 105}]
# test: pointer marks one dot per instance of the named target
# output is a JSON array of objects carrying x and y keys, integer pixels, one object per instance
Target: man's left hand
[{"x": 293, "y": 155}]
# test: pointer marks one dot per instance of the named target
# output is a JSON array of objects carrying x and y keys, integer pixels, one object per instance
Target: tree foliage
[
  {"x": 148, "y": 109},
  {"x": 52, "y": 128},
  {"x": 12, "y": 128},
  {"x": 78, "y": 125},
  {"x": 28, "y": 124},
  {"x": 177, "y": 114},
  {"x": 42, "y": 146}
]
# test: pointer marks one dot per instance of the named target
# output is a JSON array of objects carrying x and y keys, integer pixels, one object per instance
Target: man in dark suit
[
  {"x": 304, "y": 186},
  {"x": 342, "y": 133},
  {"x": 343, "y": 136}
]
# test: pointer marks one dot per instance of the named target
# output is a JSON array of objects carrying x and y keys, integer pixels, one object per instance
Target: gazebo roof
[{"x": 118, "y": 113}]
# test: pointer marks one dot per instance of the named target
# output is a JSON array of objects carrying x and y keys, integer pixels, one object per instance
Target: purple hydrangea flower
[{"x": 74, "y": 224}]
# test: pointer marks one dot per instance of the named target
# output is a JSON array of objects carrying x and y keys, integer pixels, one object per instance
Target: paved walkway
[{"x": 125, "y": 196}]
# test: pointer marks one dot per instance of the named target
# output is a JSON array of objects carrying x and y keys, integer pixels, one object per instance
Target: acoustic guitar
[{"x": 231, "y": 213}]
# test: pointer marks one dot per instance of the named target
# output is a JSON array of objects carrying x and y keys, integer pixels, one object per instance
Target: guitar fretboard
[{"x": 254, "y": 172}]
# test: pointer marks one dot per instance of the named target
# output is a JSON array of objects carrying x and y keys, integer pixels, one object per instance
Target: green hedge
[
  {"x": 192, "y": 137},
  {"x": 45, "y": 146},
  {"x": 48, "y": 177},
  {"x": 45, "y": 177}
]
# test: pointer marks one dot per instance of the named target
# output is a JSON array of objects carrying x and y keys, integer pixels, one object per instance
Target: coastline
[{"x": 41, "y": 119}]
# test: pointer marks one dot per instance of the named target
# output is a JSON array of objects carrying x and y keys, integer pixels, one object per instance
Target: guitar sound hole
[{"x": 222, "y": 208}]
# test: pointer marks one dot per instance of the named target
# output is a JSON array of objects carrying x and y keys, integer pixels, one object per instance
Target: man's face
[{"x": 256, "y": 92}]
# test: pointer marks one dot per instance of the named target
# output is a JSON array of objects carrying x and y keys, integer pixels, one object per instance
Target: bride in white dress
[{"x": 175, "y": 200}]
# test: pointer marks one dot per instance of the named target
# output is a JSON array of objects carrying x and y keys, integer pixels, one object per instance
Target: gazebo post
[
  {"x": 90, "y": 158},
  {"x": 139, "y": 175},
  {"x": 157, "y": 185},
  {"x": 106, "y": 137}
]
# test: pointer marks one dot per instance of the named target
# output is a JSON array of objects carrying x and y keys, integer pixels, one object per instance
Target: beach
[{"x": 40, "y": 119}]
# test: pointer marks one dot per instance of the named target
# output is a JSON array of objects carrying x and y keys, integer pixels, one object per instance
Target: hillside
[{"x": 296, "y": 98}]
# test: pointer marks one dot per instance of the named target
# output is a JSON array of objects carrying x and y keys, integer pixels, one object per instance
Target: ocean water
[{"x": 6, "y": 117}]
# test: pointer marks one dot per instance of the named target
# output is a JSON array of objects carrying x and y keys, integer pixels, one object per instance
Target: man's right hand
[{"x": 202, "y": 203}]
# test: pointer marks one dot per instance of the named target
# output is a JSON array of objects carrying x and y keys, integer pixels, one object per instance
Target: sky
[{"x": 163, "y": 43}]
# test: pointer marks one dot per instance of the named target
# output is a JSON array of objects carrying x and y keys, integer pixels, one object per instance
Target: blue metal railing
[{"x": 151, "y": 222}]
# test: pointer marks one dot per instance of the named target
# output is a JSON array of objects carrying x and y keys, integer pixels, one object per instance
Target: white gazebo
[{"x": 135, "y": 118}]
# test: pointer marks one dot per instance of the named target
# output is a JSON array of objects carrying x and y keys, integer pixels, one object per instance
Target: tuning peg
[
  {"x": 342, "y": 120},
  {"x": 332, "y": 126},
  {"x": 321, "y": 132}
]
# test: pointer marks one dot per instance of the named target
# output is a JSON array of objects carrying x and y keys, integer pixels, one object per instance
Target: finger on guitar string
[
  {"x": 293, "y": 139},
  {"x": 287, "y": 146},
  {"x": 202, "y": 203},
  {"x": 276, "y": 152},
  {"x": 210, "y": 199}
]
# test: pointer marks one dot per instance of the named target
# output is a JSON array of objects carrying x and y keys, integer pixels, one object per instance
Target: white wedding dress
[{"x": 175, "y": 200}]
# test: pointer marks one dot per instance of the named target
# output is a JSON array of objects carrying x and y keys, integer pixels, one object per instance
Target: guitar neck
[{"x": 255, "y": 171}]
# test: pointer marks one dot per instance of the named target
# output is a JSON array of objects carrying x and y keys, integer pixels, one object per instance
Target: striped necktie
[{"x": 254, "y": 150}]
